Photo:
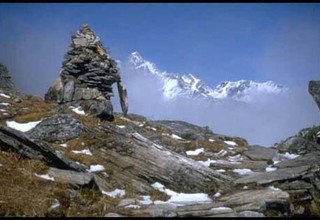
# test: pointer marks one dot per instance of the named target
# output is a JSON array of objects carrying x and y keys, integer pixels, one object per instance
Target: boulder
[
  {"x": 256, "y": 152},
  {"x": 314, "y": 90},
  {"x": 71, "y": 177},
  {"x": 57, "y": 129},
  {"x": 55, "y": 92}
]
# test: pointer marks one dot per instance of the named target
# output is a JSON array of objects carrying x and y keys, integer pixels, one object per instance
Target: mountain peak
[{"x": 189, "y": 85}]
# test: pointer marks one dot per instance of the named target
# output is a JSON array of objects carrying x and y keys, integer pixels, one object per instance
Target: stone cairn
[{"x": 87, "y": 76}]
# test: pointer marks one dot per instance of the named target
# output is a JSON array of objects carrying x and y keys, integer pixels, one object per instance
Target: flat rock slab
[
  {"x": 253, "y": 200},
  {"x": 71, "y": 177},
  {"x": 269, "y": 177},
  {"x": 256, "y": 152},
  {"x": 17, "y": 141},
  {"x": 308, "y": 159}
]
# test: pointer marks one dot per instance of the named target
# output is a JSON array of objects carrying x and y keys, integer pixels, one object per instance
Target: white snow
[
  {"x": 145, "y": 200},
  {"x": 274, "y": 188},
  {"x": 78, "y": 110},
  {"x": 275, "y": 162},
  {"x": 245, "y": 187},
  {"x": 211, "y": 140},
  {"x": 221, "y": 153},
  {"x": 121, "y": 126},
  {"x": 115, "y": 193},
  {"x": 231, "y": 143},
  {"x": 243, "y": 171},
  {"x": 207, "y": 163},
  {"x": 289, "y": 156},
  {"x": 182, "y": 198},
  {"x": 174, "y": 136},
  {"x": 5, "y": 103},
  {"x": 96, "y": 168},
  {"x": 22, "y": 126},
  {"x": 153, "y": 128},
  {"x": 133, "y": 206},
  {"x": 63, "y": 145},
  {"x": 1, "y": 165},
  {"x": 45, "y": 176},
  {"x": 218, "y": 194},
  {"x": 5, "y": 113},
  {"x": 270, "y": 168},
  {"x": 195, "y": 152},
  {"x": 85, "y": 151},
  {"x": 4, "y": 95},
  {"x": 222, "y": 209},
  {"x": 221, "y": 171},
  {"x": 236, "y": 158},
  {"x": 2, "y": 110}
]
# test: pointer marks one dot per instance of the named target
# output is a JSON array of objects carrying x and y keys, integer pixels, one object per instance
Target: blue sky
[{"x": 216, "y": 42}]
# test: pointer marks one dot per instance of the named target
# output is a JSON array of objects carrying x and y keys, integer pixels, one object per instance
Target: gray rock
[
  {"x": 55, "y": 92},
  {"x": 251, "y": 214},
  {"x": 123, "y": 97},
  {"x": 314, "y": 90},
  {"x": 68, "y": 91},
  {"x": 71, "y": 177},
  {"x": 111, "y": 214},
  {"x": 304, "y": 160},
  {"x": 5, "y": 78},
  {"x": 163, "y": 210},
  {"x": 297, "y": 145},
  {"x": 17, "y": 141},
  {"x": 125, "y": 202},
  {"x": 256, "y": 152},
  {"x": 255, "y": 200},
  {"x": 57, "y": 129},
  {"x": 278, "y": 175}
]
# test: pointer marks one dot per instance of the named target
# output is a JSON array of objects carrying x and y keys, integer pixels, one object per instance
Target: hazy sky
[{"x": 216, "y": 42}]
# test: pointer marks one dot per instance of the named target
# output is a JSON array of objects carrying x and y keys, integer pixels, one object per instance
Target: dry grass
[
  {"x": 36, "y": 107},
  {"x": 89, "y": 203},
  {"x": 21, "y": 192}
]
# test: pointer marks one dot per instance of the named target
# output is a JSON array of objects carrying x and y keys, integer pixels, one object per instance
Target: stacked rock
[
  {"x": 5, "y": 78},
  {"x": 87, "y": 76},
  {"x": 314, "y": 90}
]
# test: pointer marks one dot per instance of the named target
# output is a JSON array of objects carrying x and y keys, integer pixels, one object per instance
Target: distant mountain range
[{"x": 175, "y": 85}]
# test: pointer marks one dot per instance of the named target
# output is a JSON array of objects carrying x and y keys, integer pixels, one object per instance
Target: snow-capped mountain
[{"x": 175, "y": 85}]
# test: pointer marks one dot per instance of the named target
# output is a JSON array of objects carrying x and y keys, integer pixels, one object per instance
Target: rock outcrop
[
  {"x": 57, "y": 129},
  {"x": 314, "y": 90},
  {"x": 5, "y": 78},
  {"x": 87, "y": 76}
]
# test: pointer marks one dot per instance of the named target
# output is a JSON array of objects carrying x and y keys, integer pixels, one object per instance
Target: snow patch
[
  {"x": 231, "y": 143},
  {"x": 5, "y": 103},
  {"x": 221, "y": 153},
  {"x": 222, "y": 209},
  {"x": 63, "y": 145},
  {"x": 115, "y": 193},
  {"x": 289, "y": 156},
  {"x": 182, "y": 198},
  {"x": 174, "y": 136},
  {"x": 207, "y": 163},
  {"x": 218, "y": 194},
  {"x": 211, "y": 140},
  {"x": 274, "y": 188},
  {"x": 221, "y": 171},
  {"x": 133, "y": 206},
  {"x": 236, "y": 158},
  {"x": 78, "y": 110},
  {"x": 45, "y": 176},
  {"x": 85, "y": 151},
  {"x": 270, "y": 168},
  {"x": 24, "y": 127},
  {"x": 96, "y": 168},
  {"x": 195, "y": 152},
  {"x": 121, "y": 126},
  {"x": 146, "y": 200},
  {"x": 4, "y": 95},
  {"x": 243, "y": 171}
]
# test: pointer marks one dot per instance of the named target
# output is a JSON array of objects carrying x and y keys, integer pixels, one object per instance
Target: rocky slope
[{"x": 58, "y": 160}]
